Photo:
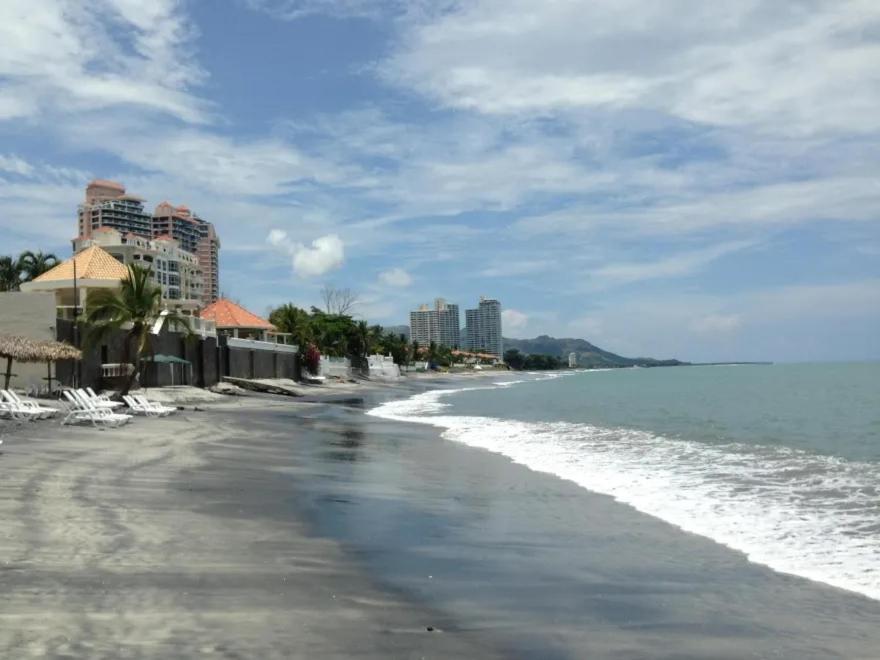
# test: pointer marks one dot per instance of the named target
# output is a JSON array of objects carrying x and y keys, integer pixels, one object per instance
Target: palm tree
[
  {"x": 10, "y": 273},
  {"x": 134, "y": 308},
  {"x": 291, "y": 319},
  {"x": 34, "y": 264},
  {"x": 360, "y": 343}
]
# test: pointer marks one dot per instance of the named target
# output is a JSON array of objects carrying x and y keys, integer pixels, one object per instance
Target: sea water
[{"x": 780, "y": 462}]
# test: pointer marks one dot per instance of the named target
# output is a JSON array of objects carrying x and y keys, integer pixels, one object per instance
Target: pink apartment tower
[{"x": 108, "y": 205}]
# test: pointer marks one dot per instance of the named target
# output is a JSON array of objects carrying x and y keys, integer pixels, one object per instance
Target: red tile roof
[{"x": 226, "y": 314}]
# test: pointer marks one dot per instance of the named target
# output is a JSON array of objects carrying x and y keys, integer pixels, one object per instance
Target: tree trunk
[
  {"x": 8, "y": 372},
  {"x": 126, "y": 354}
]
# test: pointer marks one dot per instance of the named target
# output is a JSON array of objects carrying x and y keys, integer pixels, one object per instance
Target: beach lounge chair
[
  {"x": 101, "y": 397},
  {"x": 140, "y": 398},
  {"x": 17, "y": 412},
  {"x": 81, "y": 410},
  {"x": 99, "y": 402},
  {"x": 43, "y": 412},
  {"x": 88, "y": 402},
  {"x": 136, "y": 406}
]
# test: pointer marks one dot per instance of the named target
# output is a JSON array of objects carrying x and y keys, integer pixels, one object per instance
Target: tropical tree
[
  {"x": 10, "y": 273},
  {"x": 133, "y": 309},
  {"x": 34, "y": 264},
  {"x": 295, "y": 321},
  {"x": 360, "y": 343},
  {"x": 514, "y": 359}
]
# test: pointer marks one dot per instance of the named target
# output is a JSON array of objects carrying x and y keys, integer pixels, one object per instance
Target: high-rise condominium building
[
  {"x": 176, "y": 271},
  {"x": 195, "y": 235},
  {"x": 108, "y": 205},
  {"x": 439, "y": 325},
  {"x": 483, "y": 328}
]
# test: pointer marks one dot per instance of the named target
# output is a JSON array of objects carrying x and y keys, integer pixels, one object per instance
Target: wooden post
[{"x": 8, "y": 372}]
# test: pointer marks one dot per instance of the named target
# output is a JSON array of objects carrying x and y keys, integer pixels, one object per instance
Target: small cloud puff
[
  {"x": 513, "y": 319},
  {"x": 395, "y": 277},
  {"x": 323, "y": 255}
]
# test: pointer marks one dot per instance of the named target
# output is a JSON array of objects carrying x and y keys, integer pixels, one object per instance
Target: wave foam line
[{"x": 813, "y": 516}]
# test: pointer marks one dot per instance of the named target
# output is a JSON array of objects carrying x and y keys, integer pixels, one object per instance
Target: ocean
[{"x": 780, "y": 462}]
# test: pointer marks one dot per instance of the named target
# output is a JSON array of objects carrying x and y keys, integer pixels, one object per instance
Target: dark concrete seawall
[{"x": 209, "y": 358}]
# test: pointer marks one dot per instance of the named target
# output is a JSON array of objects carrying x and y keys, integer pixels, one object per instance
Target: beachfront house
[
  {"x": 74, "y": 279},
  {"x": 233, "y": 320}
]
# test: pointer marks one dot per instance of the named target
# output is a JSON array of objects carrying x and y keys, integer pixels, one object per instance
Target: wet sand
[
  {"x": 272, "y": 528},
  {"x": 138, "y": 543}
]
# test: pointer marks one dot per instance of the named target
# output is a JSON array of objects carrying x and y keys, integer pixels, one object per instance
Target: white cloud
[
  {"x": 291, "y": 10},
  {"x": 513, "y": 320},
  {"x": 778, "y": 204},
  {"x": 15, "y": 165},
  {"x": 323, "y": 255},
  {"x": 395, "y": 277},
  {"x": 277, "y": 237},
  {"x": 65, "y": 57},
  {"x": 725, "y": 64},
  {"x": 677, "y": 265},
  {"x": 205, "y": 160},
  {"x": 36, "y": 203}
]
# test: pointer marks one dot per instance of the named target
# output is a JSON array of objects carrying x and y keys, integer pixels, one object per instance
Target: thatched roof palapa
[{"x": 25, "y": 349}]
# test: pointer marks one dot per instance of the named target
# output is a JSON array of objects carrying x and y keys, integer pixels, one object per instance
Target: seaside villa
[
  {"x": 233, "y": 320},
  {"x": 72, "y": 280}
]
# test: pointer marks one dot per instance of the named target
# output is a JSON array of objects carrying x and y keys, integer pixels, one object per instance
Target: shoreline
[{"x": 276, "y": 527}]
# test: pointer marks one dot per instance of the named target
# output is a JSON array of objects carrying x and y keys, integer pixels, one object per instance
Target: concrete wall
[
  {"x": 211, "y": 358},
  {"x": 29, "y": 315},
  {"x": 338, "y": 367},
  {"x": 201, "y": 352},
  {"x": 382, "y": 367},
  {"x": 257, "y": 359}
]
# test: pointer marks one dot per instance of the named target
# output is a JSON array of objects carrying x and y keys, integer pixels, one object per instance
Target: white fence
[
  {"x": 383, "y": 367},
  {"x": 335, "y": 367}
]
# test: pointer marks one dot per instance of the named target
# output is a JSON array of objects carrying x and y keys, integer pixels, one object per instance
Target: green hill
[{"x": 588, "y": 355}]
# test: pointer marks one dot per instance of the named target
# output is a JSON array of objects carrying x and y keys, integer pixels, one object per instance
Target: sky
[{"x": 686, "y": 179}]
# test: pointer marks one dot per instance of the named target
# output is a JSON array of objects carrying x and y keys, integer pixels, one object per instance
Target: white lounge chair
[
  {"x": 44, "y": 412},
  {"x": 136, "y": 406},
  {"x": 83, "y": 411},
  {"x": 101, "y": 397},
  {"x": 140, "y": 398},
  {"x": 17, "y": 412},
  {"x": 97, "y": 401},
  {"x": 87, "y": 402}
]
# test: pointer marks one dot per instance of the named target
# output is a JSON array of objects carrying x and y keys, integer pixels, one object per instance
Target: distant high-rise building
[
  {"x": 483, "y": 328},
  {"x": 439, "y": 325},
  {"x": 108, "y": 205},
  {"x": 194, "y": 235},
  {"x": 572, "y": 360},
  {"x": 174, "y": 270}
]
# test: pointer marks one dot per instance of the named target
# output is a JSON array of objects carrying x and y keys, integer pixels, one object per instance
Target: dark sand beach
[{"x": 266, "y": 527}]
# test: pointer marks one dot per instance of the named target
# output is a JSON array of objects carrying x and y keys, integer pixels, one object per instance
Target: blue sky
[{"x": 677, "y": 179}]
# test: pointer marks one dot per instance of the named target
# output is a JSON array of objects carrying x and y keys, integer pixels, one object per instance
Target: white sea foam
[{"x": 799, "y": 513}]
